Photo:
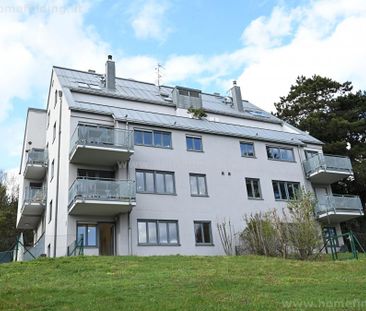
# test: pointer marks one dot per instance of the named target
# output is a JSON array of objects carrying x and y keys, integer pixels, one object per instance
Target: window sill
[
  {"x": 146, "y": 244},
  {"x": 256, "y": 199},
  {"x": 278, "y": 160},
  {"x": 173, "y": 194},
  {"x": 151, "y": 146},
  {"x": 205, "y": 244},
  {"x": 249, "y": 157},
  {"x": 200, "y": 196},
  {"x": 197, "y": 151}
]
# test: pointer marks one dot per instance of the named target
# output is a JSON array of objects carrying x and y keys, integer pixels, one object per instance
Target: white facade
[{"x": 87, "y": 134}]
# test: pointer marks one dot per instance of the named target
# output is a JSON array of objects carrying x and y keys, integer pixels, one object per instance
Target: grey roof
[
  {"x": 86, "y": 82},
  {"x": 170, "y": 121},
  {"x": 89, "y": 82}
]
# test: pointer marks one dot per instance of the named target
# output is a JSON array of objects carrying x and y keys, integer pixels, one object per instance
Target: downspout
[{"x": 58, "y": 174}]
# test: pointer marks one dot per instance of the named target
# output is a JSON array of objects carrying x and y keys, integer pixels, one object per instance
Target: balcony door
[{"x": 106, "y": 239}]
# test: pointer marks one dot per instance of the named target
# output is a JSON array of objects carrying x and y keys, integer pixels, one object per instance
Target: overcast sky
[{"x": 264, "y": 44}]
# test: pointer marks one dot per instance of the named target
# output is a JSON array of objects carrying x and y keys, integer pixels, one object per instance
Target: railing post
[{"x": 16, "y": 248}]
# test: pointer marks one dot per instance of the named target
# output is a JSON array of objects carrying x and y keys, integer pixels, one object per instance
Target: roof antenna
[{"x": 158, "y": 72}]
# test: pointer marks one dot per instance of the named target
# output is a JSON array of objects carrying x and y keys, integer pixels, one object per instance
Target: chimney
[
  {"x": 236, "y": 95},
  {"x": 110, "y": 74}
]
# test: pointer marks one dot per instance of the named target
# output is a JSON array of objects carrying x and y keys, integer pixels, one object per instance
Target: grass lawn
[{"x": 182, "y": 283}]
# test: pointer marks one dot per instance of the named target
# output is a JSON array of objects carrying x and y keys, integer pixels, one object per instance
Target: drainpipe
[{"x": 58, "y": 174}]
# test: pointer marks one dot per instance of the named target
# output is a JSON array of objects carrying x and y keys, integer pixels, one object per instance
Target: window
[
  {"x": 202, "y": 232},
  {"x": 50, "y": 212},
  {"x": 253, "y": 188},
  {"x": 96, "y": 174},
  {"x": 54, "y": 133},
  {"x": 158, "y": 232},
  {"x": 279, "y": 153},
  {"x": 285, "y": 190},
  {"x": 48, "y": 118},
  {"x": 198, "y": 184},
  {"x": 310, "y": 153},
  {"x": 52, "y": 169},
  {"x": 55, "y": 98},
  {"x": 153, "y": 138},
  {"x": 247, "y": 149},
  {"x": 89, "y": 234},
  {"x": 155, "y": 182},
  {"x": 194, "y": 143},
  {"x": 191, "y": 93}
]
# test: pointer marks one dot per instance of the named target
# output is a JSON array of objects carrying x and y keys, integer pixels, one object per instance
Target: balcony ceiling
[
  {"x": 98, "y": 155},
  {"x": 332, "y": 217},
  {"x": 100, "y": 208},
  {"x": 35, "y": 171}
]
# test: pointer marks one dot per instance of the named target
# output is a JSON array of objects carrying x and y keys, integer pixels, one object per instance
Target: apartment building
[{"x": 126, "y": 166}]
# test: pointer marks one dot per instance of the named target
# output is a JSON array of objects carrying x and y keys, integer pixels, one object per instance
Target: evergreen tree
[{"x": 331, "y": 112}]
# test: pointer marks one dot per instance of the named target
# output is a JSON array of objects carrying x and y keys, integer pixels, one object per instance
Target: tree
[{"x": 331, "y": 112}]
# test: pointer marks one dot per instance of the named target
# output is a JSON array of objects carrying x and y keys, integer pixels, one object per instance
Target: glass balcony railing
[
  {"x": 102, "y": 190},
  {"x": 339, "y": 203},
  {"x": 322, "y": 162},
  {"x": 87, "y": 135},
  {"x": 33, "y": 196},
  {"x": 37, "y": 156}
]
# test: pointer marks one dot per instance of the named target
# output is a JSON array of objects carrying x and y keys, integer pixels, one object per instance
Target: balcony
[
  {"x": 34, "y": 202},
  {"x": 338, "y": 208},
  {"x": 97, "y": 145},
  {"x": 36, "y": 164},
  {"x": 101, "y": 197},
  {"x": 326, "y": 169}
]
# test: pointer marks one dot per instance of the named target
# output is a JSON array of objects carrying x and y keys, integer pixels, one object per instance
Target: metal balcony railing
[
  {"x": 37, "y": 156},
  {"x": 102, "y": 190},
  {"x": 88, "y": 135},
  {"x": 327, "y": 162},
  {"x": 339, "y": 203}
]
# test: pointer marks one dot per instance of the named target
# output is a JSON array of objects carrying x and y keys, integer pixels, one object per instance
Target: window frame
[
  {"x": 50, "y": 211},
  {"x": 279, "y": 149},
  {"x": 194, "y": 137},
  {"x": 85, "y": 240},
  {"x": 157, "y": 222},
  {"x": 54, "y": 130},
  {"x": 155, "y": 172},
  {"x": 247, "y": 143},
  {"x": 197, "y": 175},
  {"x": 153, "y": 132},
  {"x": 309, "y": 152},
  {"x": 286, "y": 185},
  {"x": 52, "y": 168},
  {"x": 251, "y": 179},
  {"x": 201, "y": 223}
]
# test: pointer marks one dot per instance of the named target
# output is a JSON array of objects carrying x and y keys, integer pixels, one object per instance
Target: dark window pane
[
  {"x": 257, "y": 193},
  {"x": 81, "y": 231},
  {"x": 189, "y": 143},
  {"x": 202, "y": 185},
  {"x": 283, "y": 190},
  {"x": 92, "y": 236},
  {"x": 147, "y": 138},
  {"x": 198, "y": 233},
  {"x": 140, "y": 185},
  {"x": 193, "y": 184},
  {"x": 160, "y": 184},
  {"x": 158, "y": 141},
  {"x": 206, "y": 233},
  {"x": 169, "y": 183},
  {"x": 197, "y": 144},
  {"x": 163, "y": 233},
  {"x": 173, "y": 234},
  {"x": 291, "y": 192},
  {"x": 249, "y": 188},
  {"x": 142, "y": 232},
  {"x": 276, "y": 191},
  {"x": 167, "y": 140},
  {"x": 149, "y": 179},
  {"x": 152, "y": 232}
]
